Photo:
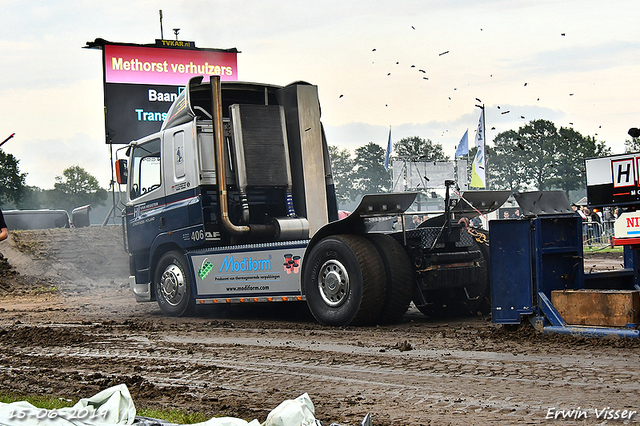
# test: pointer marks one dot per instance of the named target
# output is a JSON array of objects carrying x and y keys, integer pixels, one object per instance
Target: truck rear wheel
[
  {"x": 173, "y": 285},
  {"x": 399, "y": 288},
  {"x": 344, "y": 281}
]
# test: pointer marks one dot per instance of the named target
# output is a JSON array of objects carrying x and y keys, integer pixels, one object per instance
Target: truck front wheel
[
  {"x": 344, "y": 281},
  {"x": 173, "y": 285}
]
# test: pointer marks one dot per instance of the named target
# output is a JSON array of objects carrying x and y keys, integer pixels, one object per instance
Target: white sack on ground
[
  {"x": 112, "y": 406},
  {"x": 227, "y": 421},
  {"x": 293, "y": 412}
]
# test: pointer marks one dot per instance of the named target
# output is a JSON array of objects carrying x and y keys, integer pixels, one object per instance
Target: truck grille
[{"x": 265, "y": 153}]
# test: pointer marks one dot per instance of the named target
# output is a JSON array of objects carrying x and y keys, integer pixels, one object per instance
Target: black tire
[
  {"x": 400, "y": 285},
  {"x": 344, "y": 281},
  {"x": 172, "y": 285},
  {"x": 474, "y": 307}
]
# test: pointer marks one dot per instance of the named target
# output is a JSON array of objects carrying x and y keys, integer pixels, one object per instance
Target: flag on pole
[
  {"x": 388, "y": 154},
  {"x": 477, "y": 173},
  {"x": 463, "y": 146}
]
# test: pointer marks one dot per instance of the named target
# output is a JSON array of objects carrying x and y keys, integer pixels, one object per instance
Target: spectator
[
  {"x": 608, "y": 223},
  {"x": 593, "y": 228},
  {"x": 584, "y": 213},
  {"x": 608, "y": 216},
  {"x": 579, "y": 211}
]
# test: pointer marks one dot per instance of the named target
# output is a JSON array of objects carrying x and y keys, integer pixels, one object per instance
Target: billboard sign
[
  {"x": 141, "y": 82},
  {"x": 165, "y": 66},
  {"x": 613, "y": 180}
]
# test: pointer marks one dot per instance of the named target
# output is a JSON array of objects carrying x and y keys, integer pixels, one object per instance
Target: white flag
[{"x": 477, "y": 174}]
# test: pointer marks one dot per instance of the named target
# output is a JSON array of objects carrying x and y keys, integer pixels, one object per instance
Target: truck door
[
  {"x": 147, "y": 198},
  {"x": 182, "y": 208}
]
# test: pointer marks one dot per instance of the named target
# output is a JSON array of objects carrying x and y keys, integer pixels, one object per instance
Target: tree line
[
  {"x": 538, "y": 156},
  {"x": 365, "y": 173},
  {"x": 75, "y": 187}
]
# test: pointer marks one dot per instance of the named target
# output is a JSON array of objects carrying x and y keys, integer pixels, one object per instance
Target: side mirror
[{"x": 121, "y": 171}]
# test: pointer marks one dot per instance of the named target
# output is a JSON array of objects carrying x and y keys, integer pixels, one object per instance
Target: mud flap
[{"x": 142, "y": 291}]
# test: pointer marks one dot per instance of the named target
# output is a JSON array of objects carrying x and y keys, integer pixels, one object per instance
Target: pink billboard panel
[{"x": 152, "y": 65}]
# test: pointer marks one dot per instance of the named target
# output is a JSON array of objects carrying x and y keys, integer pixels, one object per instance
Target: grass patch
[
  {"x": 601, "y": 249},
  {"x": 49, "y": 402},
  {"x": 173, "y": 416},
  {"x": 41, "y": 401},
  {"x": 44, "y": 290}
]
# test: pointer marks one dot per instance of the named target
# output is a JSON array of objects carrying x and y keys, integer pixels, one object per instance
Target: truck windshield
[{"x": 145, "y": 169}]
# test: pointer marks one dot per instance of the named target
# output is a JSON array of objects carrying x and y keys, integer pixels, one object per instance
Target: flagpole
[
  {"x": 484, "y": 149},
  {"x": 486, "y": 166},
  {"x": 387, "y": 156},
  {"x": 467, "y": 168}
]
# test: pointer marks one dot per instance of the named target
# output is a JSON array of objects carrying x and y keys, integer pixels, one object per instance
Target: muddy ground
[{"x": 69, "y": 327}]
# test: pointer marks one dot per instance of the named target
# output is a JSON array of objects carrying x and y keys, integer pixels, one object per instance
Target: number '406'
[{"x": 197, "y": 235}]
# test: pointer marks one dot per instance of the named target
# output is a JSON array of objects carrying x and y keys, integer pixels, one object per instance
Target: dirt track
[{"x": 69, "y": 327}]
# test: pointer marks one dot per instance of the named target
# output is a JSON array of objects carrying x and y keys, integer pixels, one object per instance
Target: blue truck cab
[{"x": 233, "y": 201}]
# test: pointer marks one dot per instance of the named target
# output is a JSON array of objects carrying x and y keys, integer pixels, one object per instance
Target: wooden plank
[{"x": 611, "y": 308}]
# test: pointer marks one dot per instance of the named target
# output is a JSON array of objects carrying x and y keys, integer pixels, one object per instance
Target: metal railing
[{"x": 596, "y": 234}]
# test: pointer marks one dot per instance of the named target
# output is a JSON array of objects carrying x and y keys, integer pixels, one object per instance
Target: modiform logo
[{"x": 248, "y": 264}]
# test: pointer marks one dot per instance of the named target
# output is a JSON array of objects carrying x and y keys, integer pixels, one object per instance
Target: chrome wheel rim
[
  {"x": 172, "y": 285},
  {"x": 333, "y": 283}
]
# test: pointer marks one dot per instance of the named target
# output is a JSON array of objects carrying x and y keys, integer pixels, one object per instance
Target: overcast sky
[{"x": 576, "y": 63}]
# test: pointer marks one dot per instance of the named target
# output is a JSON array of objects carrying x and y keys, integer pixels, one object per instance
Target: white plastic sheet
[
  {"x": 227, "y": 421},
  {"x": 293, "y": 412},
  {"x": 114, "y": 406}
]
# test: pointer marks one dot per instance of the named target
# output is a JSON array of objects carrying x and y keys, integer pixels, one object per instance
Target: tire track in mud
[
  {"x": 244, "y": 361},
  {"x": 486, "y": 385}
]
